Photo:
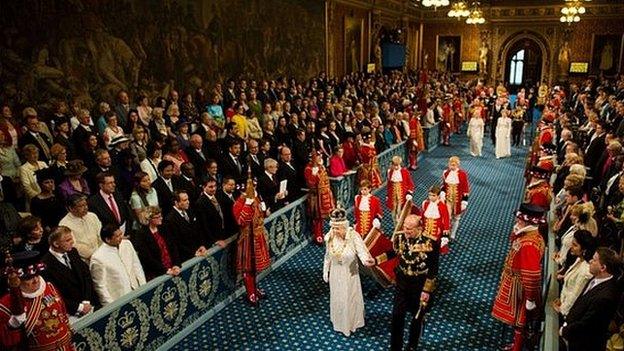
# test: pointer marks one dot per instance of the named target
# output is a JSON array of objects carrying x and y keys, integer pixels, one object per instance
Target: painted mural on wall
[
  {"x": 606, "y": 54},
  {"x": 89, "y": 49},
  {"x": 353, "y": 38},
  {"x": 448, "y": 53}
]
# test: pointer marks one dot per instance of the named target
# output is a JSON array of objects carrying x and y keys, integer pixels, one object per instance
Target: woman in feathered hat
[{"x": 340, "y": 270}]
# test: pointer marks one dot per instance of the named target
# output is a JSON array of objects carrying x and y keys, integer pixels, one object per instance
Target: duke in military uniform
[{"x": 418, "y": 254}]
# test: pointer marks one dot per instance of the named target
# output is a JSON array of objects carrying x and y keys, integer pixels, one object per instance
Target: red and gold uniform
[
  {"x": 320, "y": 197},
  {"x": 399, "y": 185},
  {"x": 367, "y": 208},
  {"x": 539, "y": 194},
  {"x": 370, "y": 168},
  {"x": 436, "y": 221},
  {"x": 416, "y": 141},
  {"x": 46, "y": 327},
  {"x": 456, "y": 188},
  {"x": 447, "y": 123},
  {"x": 547, "y": 163},
  {"x": 253, "y": 251},
  {"x": 458, "y": 107},
  {"x": 521, "y": 276}
]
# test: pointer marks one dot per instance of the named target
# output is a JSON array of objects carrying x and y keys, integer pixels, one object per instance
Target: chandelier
[
  {"x": 435, "y": 3},
  {"x": 572, "y": 10},
  {"x": 459, "y": 10},
  {"x": 476, "y": 15}
]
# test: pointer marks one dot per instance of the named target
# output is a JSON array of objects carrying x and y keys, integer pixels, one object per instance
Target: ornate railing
[
  {"x": 432, "y": 136},
  {"x": 166, "y": 309}
]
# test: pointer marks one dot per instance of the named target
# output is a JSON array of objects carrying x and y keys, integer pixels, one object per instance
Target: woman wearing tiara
[{"x": 340, "y": 270}]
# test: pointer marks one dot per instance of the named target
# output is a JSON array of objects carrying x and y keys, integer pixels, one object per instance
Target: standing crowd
[{"x": 574, "y": 172}]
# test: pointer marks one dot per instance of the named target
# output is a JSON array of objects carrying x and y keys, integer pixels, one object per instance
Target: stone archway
[{"x": 512, "y": 41}]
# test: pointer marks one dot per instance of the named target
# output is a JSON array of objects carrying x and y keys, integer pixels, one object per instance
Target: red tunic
[
  {"x": 364, "y": 219},
  {"x": 521, "y": 278},
  {"x": 46, "y": 327},
  {"x": 546, "y": 136},
  {"x": 546, "y": 163},
  {"x": 455, "y": 192},
  {"x": 369, "y": 169},
  {"x": 416, "y": 141},
  {"x": 250, "y": 219},
  {"x": 398, "y": 191},
  {"x": 320, "y": 197},
  {"x": 435, "y": 226},
  {"x": 538, "y": 194}
]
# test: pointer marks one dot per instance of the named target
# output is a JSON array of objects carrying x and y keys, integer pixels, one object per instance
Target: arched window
[{"x": 516, "y": 66}]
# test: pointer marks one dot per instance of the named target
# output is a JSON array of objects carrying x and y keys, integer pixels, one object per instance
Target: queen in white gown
[
  {"x": 503, "y": 136},
  {"x": 475, "y": 133},
  {"x": 340, "y": 269}
]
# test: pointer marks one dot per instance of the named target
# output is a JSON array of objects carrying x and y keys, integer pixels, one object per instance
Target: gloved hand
[
  {"x": 464, "y": 205},
  {"x": 249, "y": 201},
  {"x": 376, "y": 223},
  {"x": 442, "y": 196},
  {"x": 263, "y": 206},
  {"x": 17, "y": 320},
  {"x": 444, "y": 241},
  {"x": 408, "y": 197},
  {"x": 530, "y": 305},
  {"x": 315, "y": 170},
  {"x": 326, "y": 276}
]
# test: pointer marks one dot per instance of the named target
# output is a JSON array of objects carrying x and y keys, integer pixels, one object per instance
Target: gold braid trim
[
  {"x": 430, "y": 285},
  {"x": 381, "y": 258}
]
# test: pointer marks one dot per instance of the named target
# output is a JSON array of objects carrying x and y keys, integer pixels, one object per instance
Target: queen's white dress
[
  {"x": 340, "y": 268},
  {"x": 503, "y": 137},
  {"x": 475, "y": 133}
]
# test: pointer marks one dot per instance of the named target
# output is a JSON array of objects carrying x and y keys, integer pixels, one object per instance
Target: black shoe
[{"x": 261, "y": 294}]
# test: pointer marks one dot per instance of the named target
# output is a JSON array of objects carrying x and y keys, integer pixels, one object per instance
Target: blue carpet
[{"x": 296, "y": 315}]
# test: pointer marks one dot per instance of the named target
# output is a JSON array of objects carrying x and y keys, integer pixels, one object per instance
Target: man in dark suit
[
  {"x": 35, "y": 137},
  {"x": 255, "y": 158},
  {"x": 232, "y": 164},
  {"x": 123, "y": 107},
  {"x": 165, "y": 185},
  {"x": 189, "y": 182},
  {"x": 181, "y": 226},
  {"x": 226, "y": 196},
  {"x": 595, "y": 148},
  {"x": 85, "y": 129},
  {"x": 103, "y": 163},
  {"x": 197, "y": 155},
  {"x": 69, "y": 274},
  {"x": 497, "y": 111},
  {"x": 108, "y": 204},
  {"x": 586, "y": 326},
  {"x": 269, "y": 186},
  {"x": 287, "y": 171},
  {"x": 210, "y": 214}
]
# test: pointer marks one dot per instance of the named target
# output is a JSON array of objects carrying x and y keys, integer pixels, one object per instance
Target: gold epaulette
[{"x": 430, "y": 286}]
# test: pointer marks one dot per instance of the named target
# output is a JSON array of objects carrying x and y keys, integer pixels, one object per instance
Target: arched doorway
[{"x": 523, "y": 64}]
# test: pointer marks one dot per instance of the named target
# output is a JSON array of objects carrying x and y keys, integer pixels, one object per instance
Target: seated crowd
[{"x": 128, "y": 191}]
